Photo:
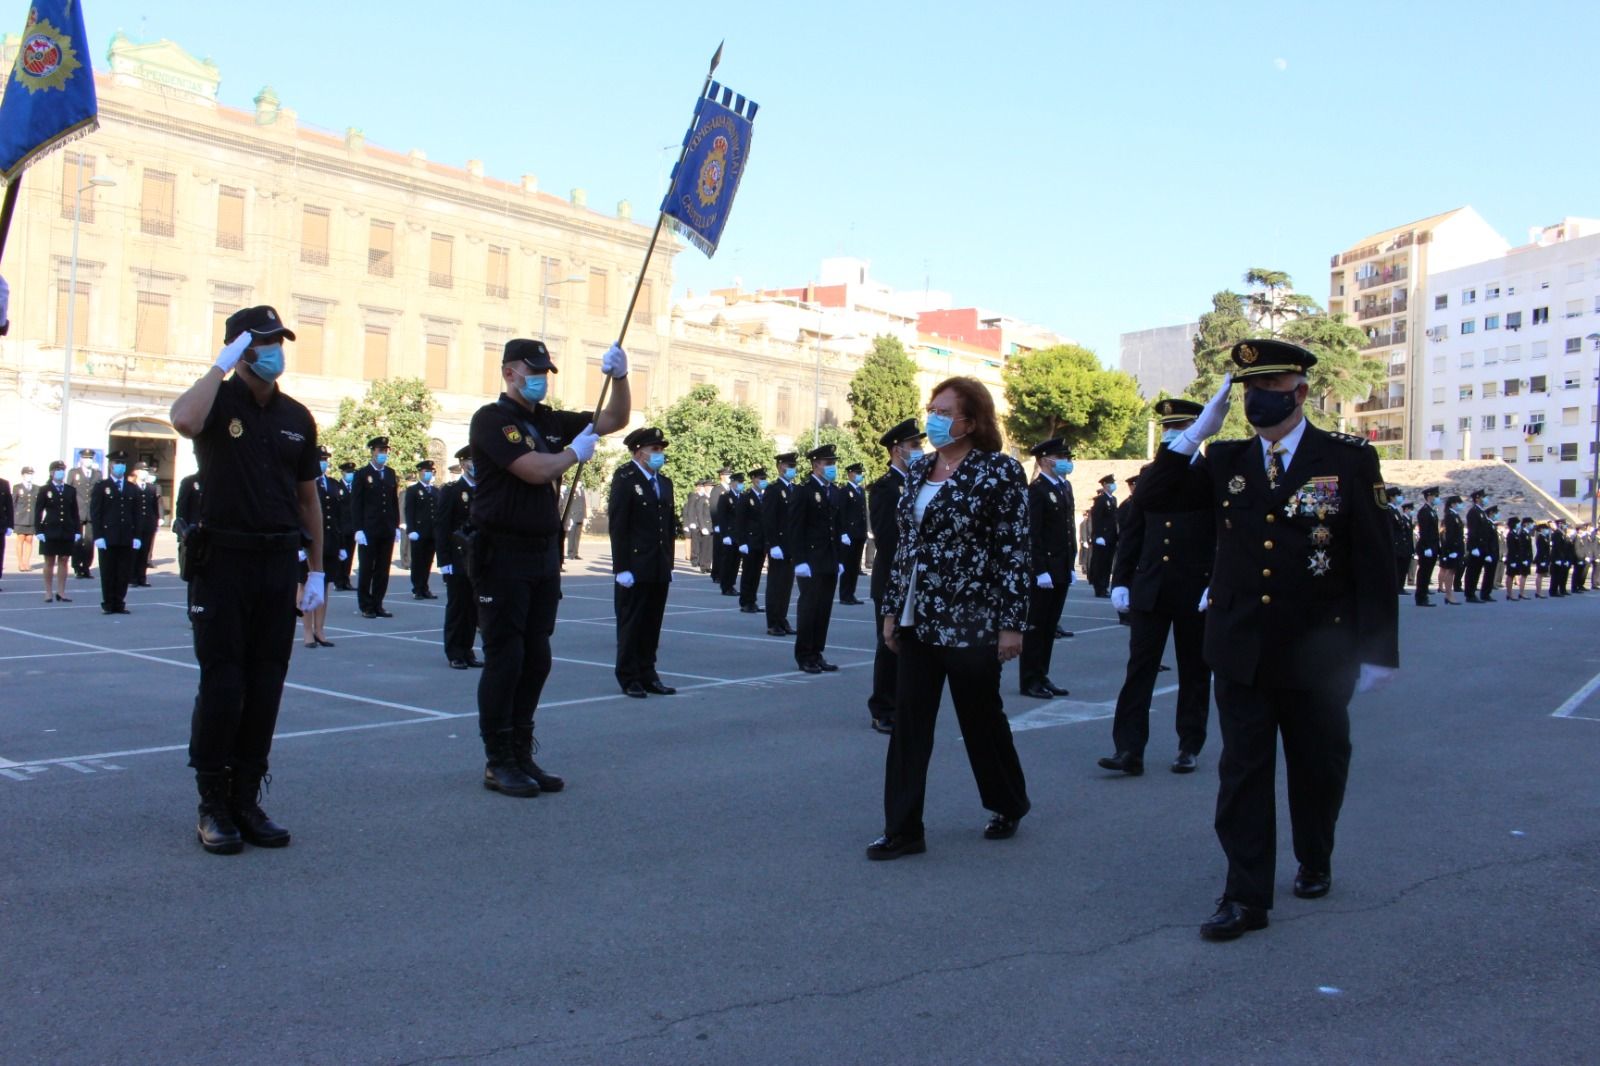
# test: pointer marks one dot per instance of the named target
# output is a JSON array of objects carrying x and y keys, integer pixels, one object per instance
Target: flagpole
[
  {"x": 13, "y": 187},
  {"x": 638, "y": 284}
]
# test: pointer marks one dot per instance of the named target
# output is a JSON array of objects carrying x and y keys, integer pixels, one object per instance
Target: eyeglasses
[{"x": 944, "y": 412}]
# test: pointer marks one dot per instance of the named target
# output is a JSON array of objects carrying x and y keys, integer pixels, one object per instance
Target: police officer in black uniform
[
  {"x": 725, "y": 571},
  {"x": 1402, "y": 533},
  {"x": 82, "y": 480},
  {"x": 116, "y": 508},
  {"x": 1103, "y": 532},
  {"x": 340, "y": 578},
  {"x": 720, "y": 489},
  {"x": 1301, "y": 615},
  {"x": 375, "y": 501},
  {"x": 422, "y": 521},
  {"x": 149, "y": 523},
  {"x": 1427, "y": 544},
  {"x": 330, "y": 497},
  {"x": 1054, "y": 547},
  {"x": 775, "y": 531},
  {"x": 749, "y": 540},
  {"x": 643, "y": 530},
  {"x": 460, "y": 600},
  {"x": 813, "y": 543},
  {"x": 904, "y": 443},
  {"x": 853, "y": 524},
  {"x": 257, "y": 452},
  {"x": 57, "y": 525},
  {"x": 1162, "y": 569},
  {"x": 520, "y": 449}
]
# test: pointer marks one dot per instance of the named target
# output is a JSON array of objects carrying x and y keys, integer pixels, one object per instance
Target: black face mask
[{"x": 1263, "y": 409}]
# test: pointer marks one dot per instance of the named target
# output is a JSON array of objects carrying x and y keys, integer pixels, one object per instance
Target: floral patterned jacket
[{"x": 970, "y": 552}]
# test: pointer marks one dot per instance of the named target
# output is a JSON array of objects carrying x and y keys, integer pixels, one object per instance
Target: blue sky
[{"x": 1095, "y": 168}]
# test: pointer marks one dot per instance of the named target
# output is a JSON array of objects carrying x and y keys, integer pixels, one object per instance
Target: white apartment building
[{"x": 1510, "y": 357}]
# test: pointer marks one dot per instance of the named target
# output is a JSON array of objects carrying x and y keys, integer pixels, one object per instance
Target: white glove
[
  {"x": 1374, "y": 677},
  {"x": 233, "y": 351},
  {"x": 1101, "y": 541},
  {"x": 744, "y": 549},
  {"x": 1209, "y": 424},
  {"x": 76, "y": 537},
  {"x": 583, "y": 445},
  {"x": 614, "y": 363},
  {"x": 844, "y": 538},
  {"x": 397, "y": 536},
  {"x": 1205, "y": 596},
  {"x": 447, "y": 569},
  {"x": 777, "y": 553},
  {"x": 1427, "y": 553},
  {"x": 1119, "y": 598},
  {"x": 361, "y": 538},
  {"x": 1071, "y": 577},
  {"x": 137, "y": 543},
  {"x": 100, "y": 542},
  {"x": 302, "y": 554},
  {"x": 625, "y": 579},
  {"x": 40, "y": 538},
  {"x": 414, "y": 536},
  {"x": 716, "y": 529},
  {"x": 1476, "y": 553},
  {"x": 692, "y": 527},
  {"x": 728, "y": 541},
  {"x": 316, "y": 591},
  {"x": 343, "y": 555},
  {"x": 1489, "y": 559},
  {"x": 803, "y": 570},
  {"x": 5, "y": 302},
  {"x": 11, "y": 532},
  {"x": 841, "y": 570},
  {"x": 1045, "y": 581}
]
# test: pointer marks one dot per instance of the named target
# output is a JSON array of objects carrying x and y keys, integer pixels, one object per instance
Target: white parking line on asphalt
[
  {"x": 1069, "y": 712},
  {"x": 777, "y": 641},
  {"x": 1576, "y": 700}
]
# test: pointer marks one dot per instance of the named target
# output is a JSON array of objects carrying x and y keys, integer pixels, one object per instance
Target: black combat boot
[
  {"x": 501, "y": 773},
  {"x": 216, "y": 829},
  {"x": 244, "y": 802},
  {"x": 523, "y": 745}
]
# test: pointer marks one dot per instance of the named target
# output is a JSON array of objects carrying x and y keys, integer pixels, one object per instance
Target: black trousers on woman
[{"x": 974, "y": 677}]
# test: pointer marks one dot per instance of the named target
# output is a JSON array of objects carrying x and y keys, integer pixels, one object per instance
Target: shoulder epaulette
[{"x": 1350, "y": 439}]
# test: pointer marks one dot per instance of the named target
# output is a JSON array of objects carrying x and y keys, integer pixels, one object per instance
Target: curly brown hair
[{"x": 976, "y": 405}]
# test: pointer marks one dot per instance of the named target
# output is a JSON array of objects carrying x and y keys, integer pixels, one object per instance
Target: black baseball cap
[
  {"x": 531, "y": 352},
  {"x": 263, "y": 321}
]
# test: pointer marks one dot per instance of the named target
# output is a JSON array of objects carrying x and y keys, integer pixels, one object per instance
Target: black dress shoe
[
  {"x": 1183, "y": 764},
  {"x": 384, "y": 614},
  {"x": 430, "y": 595},
  {"x": 1487, "y": 599},
  {"x": 827, "y": 667},
  {"x": 776, "y": 631},
  {"x": 1039, "y": 692},
  {"x": 474, "y": 662},
  {"x": 659, "y": 689},
  {"x": 851, "y": 602},
  {"x": 1232, "y": 920},
  {"x": 882, "y": 725},
  {"x": 752, "y": 609},
  {"x": 1125, "y": 761},
  {"x": 322, "y": 642},
  {"x": 1001, "y": 828},
  {"x": 887, "y": 847},
  {"x": 1312, "y": 884},
  {"x": 1055, "y": 688},
  {"x": 633, "y": 690},
  {"x": 369, "y": 614},
  {"x": 1062, "y": 634},
  {"x": 811, "y": 667},
  {"x": 789, "y": 630},
  {"x": 458, "y": 664},
  {"x": 123, "y": 610}
]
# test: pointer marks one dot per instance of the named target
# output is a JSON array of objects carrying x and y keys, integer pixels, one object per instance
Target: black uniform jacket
[
  {"x": 375, "y": 503},
  {"x": 643, "y": 524},
  {"x": 455, "y": 512},
  {"x": 812, "y": 536},
  {"x": 1052, "y": 526},
  {"x": 1103, "y": 519},
  {"x": 775, "y": 515},
  {"x": 422, "y": 510},
  {"x": 1455, "y": 539},
  {"x": 1400, "y": 530},
  {"x": 1164, "y": 558},
  {"x": 55, "y": 512},
  {"x": 116, "y": 508},
  {"x": 747, "y": 523},
  {"x": 1304, "y": 582},
  {"x": 330, "y": 492},
  {"x": 853, "y": 512},
  {"x": 883, "y": 498},
  {"x": 1480, "y": 534},
  {"x": 1427, "y": 530}
]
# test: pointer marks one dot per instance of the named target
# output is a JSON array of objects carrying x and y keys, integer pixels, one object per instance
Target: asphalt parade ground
[{"x": 699, "y": 893}]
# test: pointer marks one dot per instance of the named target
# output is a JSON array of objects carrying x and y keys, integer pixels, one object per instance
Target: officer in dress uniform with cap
[
  {"x": 1301, "y": 614},
  {"x": 1054, "y": 544},
  {"x": 520, "y": 450},
  {"x": 697, "y": 524},
  {"x": 813, "y": 543},
  {"x": 23, "y": 497},
  {"x": 347, "y": 528},
  {"x": 375, "y": 501},
  {"x": 55, "y": 519},
  {"x": 257, "y": 454},
  {"x": 1103, "y": 535},
  {"x": 853, "y": 523},
  {"x": 149, "y": 523},
  {"x": 1482, "y": 546},
  {"x": 643, "y": 532},
  {"x": 749, "y": 541},
  {"x": 725, "y": 571},
  {"x": 775, "y": 530},
  {"x": 1402, "y": 533},
  {"x": 330, "y": 497},
  {"x": 460, "y": 601},
  {"x": 1162, "y": 568},
  {"x": 904, "y": 443},
  {"x": 720, "y": 489},
  {"x": 115, "y": 509},
  {"x": 1427, "y": 544},
  {"x": 82, "y": 480},
  {"x": 422, "y": 521},
  {"x": 8, "y": 521}
]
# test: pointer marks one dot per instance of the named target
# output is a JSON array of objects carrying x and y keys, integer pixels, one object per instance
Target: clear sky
[{"x": 1094, "y": 168}]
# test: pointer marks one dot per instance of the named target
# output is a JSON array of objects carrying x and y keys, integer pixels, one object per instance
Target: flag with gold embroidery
[
  {"x": 715, "y": 151},
  {"x": 49, "y": 96}
]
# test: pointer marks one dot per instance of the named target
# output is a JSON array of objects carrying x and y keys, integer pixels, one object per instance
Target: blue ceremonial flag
[
  {"x": 715, "y": 151},
  {"x": 49, "y": 98}
]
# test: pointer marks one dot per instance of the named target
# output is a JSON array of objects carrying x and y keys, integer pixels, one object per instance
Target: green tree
[
  {"x": 401, "y": 409},
  {"x": 705, "y": 432},
  {"x": 1064, "y": 392},
  {"x": 883, "y": 393}
]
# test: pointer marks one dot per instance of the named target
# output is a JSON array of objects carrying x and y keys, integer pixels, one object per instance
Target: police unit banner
[
  {"x": 715, "y": 151},
  {"x": 49, "y": 96}
]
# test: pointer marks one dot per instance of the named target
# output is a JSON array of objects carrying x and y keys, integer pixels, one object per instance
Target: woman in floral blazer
[{"x": 955, "y": 610}]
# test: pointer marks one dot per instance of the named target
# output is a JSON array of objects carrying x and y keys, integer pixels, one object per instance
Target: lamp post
[
  {"x": 1594, "y": 457},
  {"x": 544, "y": 302},
  {"x": 72, "y": 299}
]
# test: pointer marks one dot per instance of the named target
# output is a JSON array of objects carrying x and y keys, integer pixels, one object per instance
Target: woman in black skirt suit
[
  {"x": 1452, "y": 547},
  {"x": 57, "y": 530},
  {"x": 1541, "y": 558},
  {"x": 1519, "y": 558}
]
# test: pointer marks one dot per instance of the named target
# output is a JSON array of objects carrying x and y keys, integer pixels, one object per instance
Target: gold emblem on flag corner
[
  {"x": 1236, "y": 484},
  {"x": 46, "y": 59},
  {"x": 1248, "y": 354},
  {"x": 713, "y": 171},
  {"x": 236, "y": 429},
  {"x": 1319, "y": 563}
]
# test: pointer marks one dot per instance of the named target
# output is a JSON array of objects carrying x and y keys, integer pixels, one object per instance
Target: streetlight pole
[
  {"x": 72, "y": 300},
  {"x": 544, "y": 302},
  {"x": 1594, "y": 457}
]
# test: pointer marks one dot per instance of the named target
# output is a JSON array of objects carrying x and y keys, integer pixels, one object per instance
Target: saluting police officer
[
  {"x": 643, "y": 530},
  {"x": 853, "y": 524},
  {"x": 1054, "y": 546},
  {"x": 375, "y": 501},
  {"x": 460, "y": 601},
  {"x": 775, "y": 530},
  {"x": 82, "y": 480},
  {"x": 257, "y": 453},
  {"x": 749, "y": 540},
  {"x": 116, "y": 508},
  {"x": 813, "y": 541},
  {"x": 904, "y": 443},
  {"x": 1162, "y": 569},
  {"x": 421, "y": 520},
  {"x": 520, "y": 449},
  {"x": 1302, "y": 614}
]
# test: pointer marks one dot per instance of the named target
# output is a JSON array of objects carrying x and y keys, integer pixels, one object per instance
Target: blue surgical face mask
[
  {"x": 381, "y": 460},
  {"x": 469, "y": 469},
  {"x": 912, "y": 455},
  {"x": 534, "y": 387},
  {"x": 58, "y": 476},
  {"x": 762, "y": 484},
  {"x": 1399, "y": 501},
  {"x": 856, "y": 479},
  {"x": 657, "y": 460},
  {"x": 323, "y": 466},
  {"x": 1111, "y": 488},
  {"x": 427, "y": 477},
  {"x": 349, "y": 479},
  {"x": 830, "y": 472},
  {"x": 938, "y": 429},
  {"x": 1170, "y": 435},
  {"x": 1062, "y": 467},
  {"x": 268, "y": 363},
  {"x": 788, "y": 473},
  {"x": 119, "y": 469}
]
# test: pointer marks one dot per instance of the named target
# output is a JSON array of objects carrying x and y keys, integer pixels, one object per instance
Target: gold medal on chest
[
  {"x": 638, "y": 490},
  {"x": 235, "y": 429},
  {"x": 1053, "y": 498},
  {"x": 465, "y": 498},
  {"x": 1236, "y": 484}
]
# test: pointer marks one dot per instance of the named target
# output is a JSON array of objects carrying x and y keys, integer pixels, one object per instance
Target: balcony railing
[
  {"x": 1384, "y": 277},
  {"x": 1380, "y": 434},
  {"x": 1378, "y": 310},
  {"x": 1379, "y": 340},
  {"x": 1382, "y": 403},
  {"x": 1397, "y": 370}
]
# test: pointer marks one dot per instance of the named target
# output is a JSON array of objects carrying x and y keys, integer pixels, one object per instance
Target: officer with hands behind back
[
  {"x": 643, "y": 528},
  {"x": 375, "y": 503}
]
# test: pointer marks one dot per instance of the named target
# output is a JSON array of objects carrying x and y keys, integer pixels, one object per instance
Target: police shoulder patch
[
  {"x": 1350, "y": 439},
  {"x": 513, "y": 434}
]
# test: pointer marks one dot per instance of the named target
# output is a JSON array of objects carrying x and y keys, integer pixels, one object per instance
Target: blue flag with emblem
[
  {"x": 49, "y": 97},
  {"x": 715, "y": 151}
]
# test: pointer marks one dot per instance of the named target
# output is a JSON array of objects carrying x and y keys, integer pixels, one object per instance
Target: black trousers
[
  {"x": 700, "y": 551},
  {"x": 1315, "y": 726},
  {"x": 885, "y": 668},
  {"x": 116, "y": 570},
  {"x": 574, "y": 540},
  {"x": 460, "y": 614},
  {"x": 717, "y": 548},
  {"x": 974, "y": 677},
  {"x": 141, "y": 556},
  {"x": 1147, "y": 639},
  {"x": 851, "y": 558},
  {"x": 422, "y": 553},
  {"x": 727, "y": 569},
  {"x": 814, "y": 612},
  {"x": 1560, "y": 574},
  {"x": 780, "y": 590},
  {"x": 83, "y": 551},
  {"x": 1425, "y": 565},
  {"x": 750, "y": 575},
  {"x": 243, "y": 614},
  {"x": 372, "y": 579},
  {"x": 1402, "y": 569},
  {"x": 1579, "y": 572},
  {"x": 1038, "y": 643},
  {"x": 348, "y": 543},
  {"x": 639, "y": 613},
  {"x": 1100, "y": 557},
  {"x": 517, "y": 601},
  {"x": 1474, "y": 575}
]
